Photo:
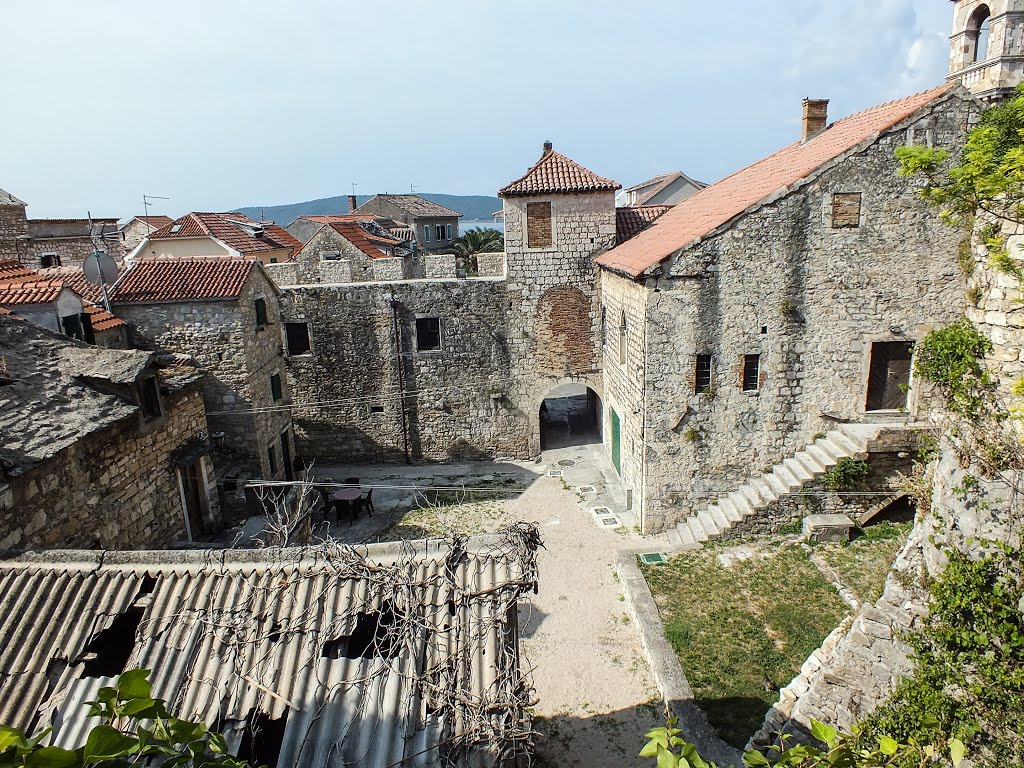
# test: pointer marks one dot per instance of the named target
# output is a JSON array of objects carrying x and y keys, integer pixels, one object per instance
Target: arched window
[
  {"x": 978, "y": 32},
  {"x": 623, "y": 332}
]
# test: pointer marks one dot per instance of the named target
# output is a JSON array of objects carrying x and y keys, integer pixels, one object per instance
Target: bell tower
[{"x": 986, "y": 49}]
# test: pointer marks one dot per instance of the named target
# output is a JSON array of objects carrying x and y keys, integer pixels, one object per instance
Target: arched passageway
[{"x": 570, "y": 414}]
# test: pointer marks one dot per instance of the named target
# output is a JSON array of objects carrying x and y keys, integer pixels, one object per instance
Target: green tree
[
  {"x": 133, "y": 729},
  {"x": 478, "y": 240}
]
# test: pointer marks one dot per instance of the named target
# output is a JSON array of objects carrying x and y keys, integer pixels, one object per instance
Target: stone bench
[{"x": 822, "y": 529}]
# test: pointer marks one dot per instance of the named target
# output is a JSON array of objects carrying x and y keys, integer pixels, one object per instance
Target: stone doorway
[
  {"x": 889, "y": 375},
  {"x": 570, "y": 414}
]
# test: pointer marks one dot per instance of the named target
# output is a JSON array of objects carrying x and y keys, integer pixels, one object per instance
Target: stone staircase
[{"x": 785, "y": 478}]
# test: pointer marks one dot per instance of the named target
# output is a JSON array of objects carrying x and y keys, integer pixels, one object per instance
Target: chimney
[
  {"x": 815, "y": 118},
  {"x": 352, "y": 204},
  {"x": 547, "y": 148}
]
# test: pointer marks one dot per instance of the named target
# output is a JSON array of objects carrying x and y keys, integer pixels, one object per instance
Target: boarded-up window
[
  {"x": 538, "y": 225},
  {"x": 845, "y": 210}
]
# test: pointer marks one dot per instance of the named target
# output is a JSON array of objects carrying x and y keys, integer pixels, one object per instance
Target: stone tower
[{"x": 986, "y": 51}]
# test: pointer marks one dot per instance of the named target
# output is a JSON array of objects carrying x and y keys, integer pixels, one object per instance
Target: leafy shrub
[
  {"x": 950, "y": 358},
  {"x": 844, "y": 475}
]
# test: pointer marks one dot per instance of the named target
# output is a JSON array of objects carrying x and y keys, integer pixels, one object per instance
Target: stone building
[
  {"x": 351, "y": 251},
  {"x": 219, "y": 234},
  {"x": 475, "y": 357},
  {"x": 138, "y": 228},
  {"x": 13, "y": 226},
  {"x": 665, "y": 189},
  {"x": 769, "y": 308},
  {"x": 435, "y": 226},
  {"x": 986, "y": 49},
  {"x": 53, "y": 242},
  {"x": 223, "y": 312},
  {"x": 98, "y": 447}
]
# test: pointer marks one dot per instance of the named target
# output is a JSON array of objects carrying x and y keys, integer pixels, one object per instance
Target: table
[{"x": 346, "y": 496}]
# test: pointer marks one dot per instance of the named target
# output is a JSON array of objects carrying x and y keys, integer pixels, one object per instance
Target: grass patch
[
  {"x": 864, "y": 563},
  {"x": 737, "y": 628}
]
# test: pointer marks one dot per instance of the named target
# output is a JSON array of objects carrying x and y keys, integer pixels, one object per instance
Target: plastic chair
[{"x": 365, "y": 501}]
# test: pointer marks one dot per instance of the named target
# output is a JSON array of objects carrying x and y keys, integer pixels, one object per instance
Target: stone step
[
  {"x": 786, "y": 477},
  {"x": 809, "y": 463},
  {"x": 720, "y": 518},
  {"x": 859, "y": 434},
  {"x": 686, "y": 539},
  {"x": 696, "y": 529},
  {"x": 729, "y": 509},
  {"x": 831, "y": 449},
  {"x": 821, "y": 456},
  {"x": 842, "y": 441},
  {"x": 674, "y": 539},
  {"x": 739, "y": 501},
  {"x": 708, "y": 523},
  {"x": 751, "y": 495},
  {"x": 764, "y": 490},
  {"x": 798, "y": 471},
  {"x": 778, "y": 487}
]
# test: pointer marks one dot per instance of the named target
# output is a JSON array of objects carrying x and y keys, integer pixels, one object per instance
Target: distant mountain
[{"x": 472, "y": 207}]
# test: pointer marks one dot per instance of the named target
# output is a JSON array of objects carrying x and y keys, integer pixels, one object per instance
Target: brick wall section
[
  {"x": 809, "y": 299},
  {"x": 239, "y": 359},
  {"x": 563, "y": 336},
  {"x": 116, "y": 489}
]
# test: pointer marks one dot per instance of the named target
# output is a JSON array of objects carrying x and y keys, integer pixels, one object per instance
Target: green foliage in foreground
[
  {"x": 951, "y": 359},
  {"x": 134, "y": 729},
  {"x": 844, "y": 475},
  {"x": 840, "y": 750}
]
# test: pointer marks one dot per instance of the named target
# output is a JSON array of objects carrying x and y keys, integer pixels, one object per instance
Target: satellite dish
[{"x": 99, "y": 268}]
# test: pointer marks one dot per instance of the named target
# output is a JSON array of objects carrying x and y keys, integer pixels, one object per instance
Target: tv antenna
[
  {"x": 353, "y": 187},
  {"x": 412, "y": 189},
  {"x": 147, "y": 198}
]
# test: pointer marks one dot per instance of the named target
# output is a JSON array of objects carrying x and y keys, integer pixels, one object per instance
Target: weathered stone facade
[
  {"x": 809, "y": 299},
  {"x": 116, "y": 489},
  {"x": 240, "y": 358},
  {"x": 992, "y": 70},
  {"x": 329, "y": 257},
  {"x": 13, "y": 230}
]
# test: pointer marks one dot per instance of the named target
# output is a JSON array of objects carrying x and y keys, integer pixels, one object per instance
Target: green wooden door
[{"x": 616, "y": 457}]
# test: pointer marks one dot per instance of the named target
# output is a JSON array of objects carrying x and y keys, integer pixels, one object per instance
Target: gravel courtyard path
[{"x": 596, "y": 696}]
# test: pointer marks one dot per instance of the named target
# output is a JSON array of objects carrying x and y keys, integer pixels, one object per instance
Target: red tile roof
[
  {"x": 30, "y": 292},
  {"x": 235, "y": 230},
  {"x": 358, "y": 237},
  {"x": 74, "y": 278},
  {"x": 100, "y": 319},
  {"x": 632, "y": 220},
  {"x": 154, "y": 221},
  {"x": 703, "y": 212},
  {"x": 12, "y": 270},
  {"x": 555, "y": 173},
  {"x": 168, "y": 279}
]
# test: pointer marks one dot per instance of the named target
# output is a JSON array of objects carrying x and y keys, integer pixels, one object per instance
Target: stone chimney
[
  {"x": 815, "y": 118},
  {"x": 352, "y": 204},
  {"x": 547, "y": 148}
]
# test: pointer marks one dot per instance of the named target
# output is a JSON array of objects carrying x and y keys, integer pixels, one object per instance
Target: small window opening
[
  {"x": 149, "y": 399},
  {"x": 297, "y": 338},
  {"x": 764, "y": 329},
  {"x": 261, "y": 312},
  {"x": 261, "y": 742},
  {"x": 374, "y": 635},
  {"x": 272, "y": 459},
  {"x": 702, "y": 374},
  {"x": 428, "y": 333},
  {"x": 751, "y": 371},
  {"x": 175, "y": 228},
  {"x": 73, "y": 327},
  {"x": 980, "y": 32},
  {"x": 846, "y": 210},
  {"x": 109, "y": 650},
  {"x": 623, "y": 338},
  {"x": 376, "y": 409},
  {"x": 48, "y": 260},
  {"x": 275, "y": 387},
  {"x": 146, "y": 587}
]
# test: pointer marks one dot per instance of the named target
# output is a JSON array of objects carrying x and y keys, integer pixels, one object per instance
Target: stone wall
[
  {"x": 810, "y": 299},
  {"x": 490, "y": 265},
  {"x": 312, "y": 268},
  {"x": 13, "y": 230},
  {"x": 439, "y": 265},
  {"x": 462, "y": 400},
  {"x": 391, "y": 268},
  {"x": 71, "y": 250},
  {"x": 286, "y": 272},
  {"x": 239, "y": 359},
  {"x": 116, "y": 489}
]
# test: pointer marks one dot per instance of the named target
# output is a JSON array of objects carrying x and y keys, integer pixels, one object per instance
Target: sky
[{"x": 221, "y": 104}]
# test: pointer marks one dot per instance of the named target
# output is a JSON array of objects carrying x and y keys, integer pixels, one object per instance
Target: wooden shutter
[{"x": 538, "y": 225}]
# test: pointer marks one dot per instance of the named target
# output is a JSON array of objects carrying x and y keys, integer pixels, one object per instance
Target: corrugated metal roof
[{"x": 229, "y": 634}]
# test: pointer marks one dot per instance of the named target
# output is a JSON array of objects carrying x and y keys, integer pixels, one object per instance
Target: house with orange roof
[
  {"x": 764, "y": 327},
  {"x": 136, "y": 229},
  {"x": 223, "y": 313},
  {"x": 436, "y": 227},
  {"x": 219, "y": 234},
  {"x": 347, "y": 249}
]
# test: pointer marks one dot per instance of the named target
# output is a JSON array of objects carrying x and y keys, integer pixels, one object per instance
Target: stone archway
[{"x": 570, "y": 414}]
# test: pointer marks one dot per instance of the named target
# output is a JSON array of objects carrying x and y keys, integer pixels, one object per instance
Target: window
[
  {"x": 149, "y": 399},
  {"x": 448, "y": 231},
  {"x": 978, "y": 33},
  {"x": 538, "y": 225},
  {"x": 623, "y": 337},
  {"x": 272, "y": 459},
  {"x": 439, "y": 231},
  {"x": 261, "y": 312},
  {"x": 751, "y": 371},
  {"x": 702, "y": 374},
  {"x": 426, "y": 233},
  {"x": 297, "y": 338},
  {"x": 275, "y": 387},
  {"x": 330, "y": 255},
  {"x": 73, "y": 326},
  {"x": 376, "y": 409},
  {"x": 428, "y": 333},
  {"x": 845, "y": 210},
  {"x": 49, "y": 260}
]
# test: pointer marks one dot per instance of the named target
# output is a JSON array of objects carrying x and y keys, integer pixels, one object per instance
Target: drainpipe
[
  {"x": 643, "y": 418},
  {"x": 401, "y": 378}
]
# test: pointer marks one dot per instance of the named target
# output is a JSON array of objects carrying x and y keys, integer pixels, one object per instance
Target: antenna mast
[{"x": 147, "y": 198}]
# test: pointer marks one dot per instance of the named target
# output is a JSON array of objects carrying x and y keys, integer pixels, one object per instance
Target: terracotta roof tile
[
  {"x": 12, "y": 270},
  {"x": 235, "y": 230},
  {"x": 74, "y": 278},
  {"x": 358, "y": 237},
  {"x": 703, "y": 212},
  {"x": 632, "y": 220},
  {"x": 161, "y": 279},
  {"x": 100, "y": 319},
  {"x": 555, "y": 173},
  {"x": 30, "y": 292}
]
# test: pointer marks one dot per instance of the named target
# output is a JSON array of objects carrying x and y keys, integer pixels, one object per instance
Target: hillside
[{"x": 472, "y": 207}]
